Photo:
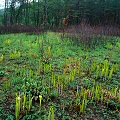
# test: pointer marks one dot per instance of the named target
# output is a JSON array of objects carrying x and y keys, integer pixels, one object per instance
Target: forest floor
[{"x": 47, "y": 77}]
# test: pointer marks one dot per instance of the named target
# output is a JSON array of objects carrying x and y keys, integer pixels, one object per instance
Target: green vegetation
[{"x": 48, "y": 78}]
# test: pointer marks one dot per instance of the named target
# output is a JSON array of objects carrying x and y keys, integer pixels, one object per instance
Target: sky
[{"x": 2, "y": 4}]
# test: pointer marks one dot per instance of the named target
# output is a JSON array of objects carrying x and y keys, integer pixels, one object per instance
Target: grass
[{"x": 46, "y": 77}]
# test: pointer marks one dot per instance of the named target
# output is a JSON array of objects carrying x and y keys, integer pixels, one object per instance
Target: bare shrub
[{"x": 87, "y": 34}]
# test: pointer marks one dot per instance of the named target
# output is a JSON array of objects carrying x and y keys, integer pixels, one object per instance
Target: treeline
[{"x": 50, "y": 13}]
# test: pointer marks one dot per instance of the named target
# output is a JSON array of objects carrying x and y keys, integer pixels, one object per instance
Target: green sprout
[
  {"x": 50, "y": 67},
  {"x": 114, "y": 92},
  {"x": 97, "y": 72},
  {"x": 31, "y": 73},
  {"x": 40, "y": 98},
  {"x": 83, "y": 106},
  {"x": 40, "y": 65},
  {"x": 7, "y": 85},
  {"x": 24, "y": 101},
  {"x": 93, "y": 67},
  {"x": 2, "y": 58},
  {"x": 106, "y": 71},
  {"x": 30, "y": 102},
  {"x": 77, "y": 93},
  {"x": 53, "y": 80},
  {"x": 111, "y": 73},
  {"x": 51, "y": 115},
  {"x": 17, "y": 110},
  {"x": 119, "y": 96},
  {"x": 15, "y": 55},
  {"x": 102, "y": 96},
  {"x": 103, "y": 72},
  {"x": 72, "y": 76},
  {"x": 97, "y": 95},
  {"x": 106, "y": 67}
]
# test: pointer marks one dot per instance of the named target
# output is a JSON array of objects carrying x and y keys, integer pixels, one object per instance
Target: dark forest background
[{"x": 26, "y": 15}]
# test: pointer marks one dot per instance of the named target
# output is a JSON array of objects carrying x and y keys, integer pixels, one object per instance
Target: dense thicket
[{"x": 52, "y": 12}]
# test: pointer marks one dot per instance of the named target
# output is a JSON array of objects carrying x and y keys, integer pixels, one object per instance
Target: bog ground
[{"x": 45, "y": 77}]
